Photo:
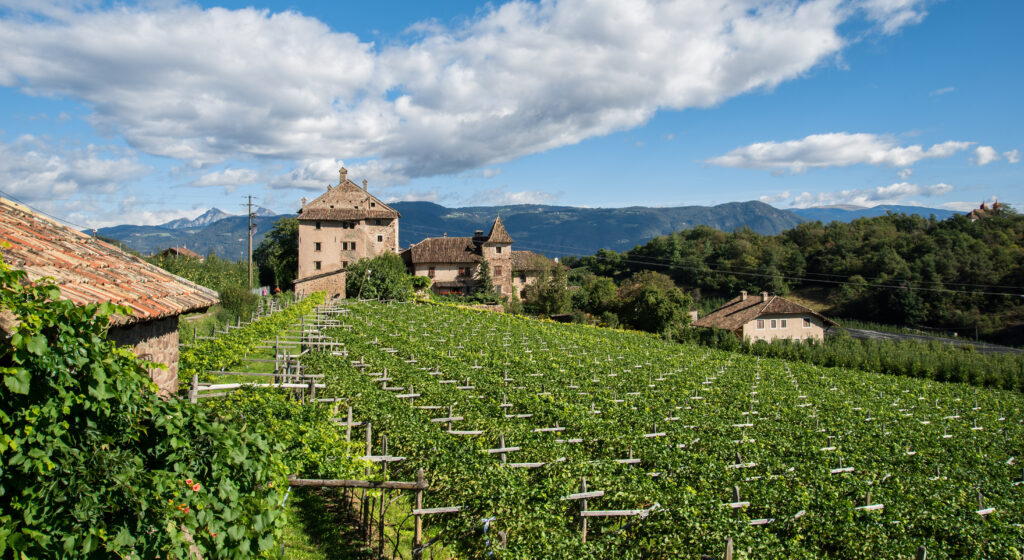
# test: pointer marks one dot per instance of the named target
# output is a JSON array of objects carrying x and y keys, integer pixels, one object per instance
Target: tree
[
  {"x": 549, "y": 295},
  {"x": 277, "y": 256},
  {"x": 484, "y": 281},
  {"x": 383, "y": 277},
  {"x": 652, "y": 302}
]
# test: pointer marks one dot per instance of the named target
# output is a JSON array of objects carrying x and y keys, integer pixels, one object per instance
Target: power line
[{"x": 47, "y": 214}]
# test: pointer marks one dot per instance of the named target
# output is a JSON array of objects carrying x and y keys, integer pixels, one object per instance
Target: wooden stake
[
  {"x": 583, "y": 507},
  {"x": 417, "y": 540},
  {"x": 383, "y": 493}
]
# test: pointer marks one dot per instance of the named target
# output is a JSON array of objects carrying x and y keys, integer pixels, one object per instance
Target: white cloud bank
[
  {"x": 984, "y": 155},
  {"x": 896, "y": 193},
  {"x": 232, "y": 177},
  {"x": 207, "y": 86},
  {"x": 836, "y": 149}
]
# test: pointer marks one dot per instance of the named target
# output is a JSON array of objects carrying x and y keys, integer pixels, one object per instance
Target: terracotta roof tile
[
  {"x": 738, "y": 312},
  {"x": 88, "y": 270},
  {"x": 443, "y": 250},
  {"x": 498, "y": 233}
]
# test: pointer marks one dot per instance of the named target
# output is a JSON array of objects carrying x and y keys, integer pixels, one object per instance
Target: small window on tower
[
  {"x": 318, "y": 225},
  {"x": 380, "y": 238},
  {"x": 497, "y": 249},
  {"x": 316, "y": 246},
  {"x": 497, "y": 271},
  {"x": 373, "y": 205},
  {"x": 316, "y": 265},
  {"x": 344, "y": 246},
  {"x": 353, "y": 245},
  {"x": 344, "y": 264}
]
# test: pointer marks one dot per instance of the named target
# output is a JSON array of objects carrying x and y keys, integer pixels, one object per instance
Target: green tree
[
  {"x": 383, "y": 277},
  {"x": 652, "y": 302},
  {"x": 484, "y": 280},
  {"x": 549, "y": 295},
  {"x": 278, "y": 254}
]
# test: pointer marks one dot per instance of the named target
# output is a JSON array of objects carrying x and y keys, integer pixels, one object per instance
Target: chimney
[
  {"x": 764, "y": 296},
  {"x": 364, "y": 185},
  {"x": 743, "y": 295},
  {"x": 342, "y": 175},
  {"x": 445, "y": 234},
  {"x": 303, "y": 202},
  {"x": 478, "y": 233}
]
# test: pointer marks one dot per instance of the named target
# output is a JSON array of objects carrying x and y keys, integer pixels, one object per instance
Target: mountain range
[{"x": 551, "y": 230}]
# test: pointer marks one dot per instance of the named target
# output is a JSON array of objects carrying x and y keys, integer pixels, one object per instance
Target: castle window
[
  {"x": 380, "y": 238},
  {"x": 430, "y": 272},
  {"x": 344, "y": 246},
  {"x": 316, "y": 246},
  {"x": 344, "y": 264},
  {"x": 373, "y": 205},
  {"x": 497, "y": 271},
  {"x": 497, "y": 249},
  {"x": 316, "y": 265},
  {"x": 318, "y": 225}
]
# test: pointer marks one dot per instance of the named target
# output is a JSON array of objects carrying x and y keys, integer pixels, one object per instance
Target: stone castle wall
[{"x": 155, "y": 341}]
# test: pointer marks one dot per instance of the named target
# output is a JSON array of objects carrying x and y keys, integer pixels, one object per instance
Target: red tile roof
[
  {"x": 88, "y": 270},
  {"x": 739, "y": 311}
]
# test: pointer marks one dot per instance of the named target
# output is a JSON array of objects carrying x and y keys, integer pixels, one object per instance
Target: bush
[
  {"x": 93, "y": 464},
  {"x": 240, "y": 302}
]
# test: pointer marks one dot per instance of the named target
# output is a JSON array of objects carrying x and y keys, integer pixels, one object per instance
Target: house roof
[
  {"x": 346, "y": 201},
  {"x": 181, "y": 252},
  {"x": 88, "y": 270},
  {"x": 498, "y": 233},
  {"x": 454, "y": 250},
  {"x": 528, "y": 261},
  {"x": 341, "y": 271},
  {"x": 738, "y": 312}
]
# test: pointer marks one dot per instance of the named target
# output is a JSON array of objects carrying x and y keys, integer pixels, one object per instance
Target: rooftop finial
[
  {"x": 364, "y": 184},
  {"x": 342, "y": 175}
]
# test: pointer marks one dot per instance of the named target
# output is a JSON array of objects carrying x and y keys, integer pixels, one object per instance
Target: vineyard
[{"x": 566, "y": 441}]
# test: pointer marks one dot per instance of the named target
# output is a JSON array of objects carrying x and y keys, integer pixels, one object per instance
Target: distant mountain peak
[
  {"x": 206, "y": 218},
  {"x": 261, "y": 211}
]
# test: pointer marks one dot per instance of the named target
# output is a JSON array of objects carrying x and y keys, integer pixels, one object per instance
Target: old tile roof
[
  {"x": 181, "y": 252},
  {"x": 88, "y": 270},
  {"x": 530, "y": 261},
  {"x": 346, "y": 201},
  {"x": 498, "y": 233},
  {"x": 456, "y": 250},
  {"x": 737, "y": 312},
  {"x": 341, "y": 271}
]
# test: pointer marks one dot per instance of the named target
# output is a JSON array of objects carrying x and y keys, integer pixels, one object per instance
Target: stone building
[
  {"x": 337, "y": 229},
  {"x": 453, "y": 263},
  {"x": 767, "y": 318},
  {"x": 88, "y": 270}
]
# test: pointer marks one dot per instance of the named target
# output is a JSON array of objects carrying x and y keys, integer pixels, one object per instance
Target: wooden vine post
[
  {"x": 380, "y": 530},
  {"x": 417, "y": 540},
  {"x": 583, "y": 508}
]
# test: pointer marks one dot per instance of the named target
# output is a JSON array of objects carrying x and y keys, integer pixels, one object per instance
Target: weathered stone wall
[
  {"x": 333, "y": 284},
  {"x": 794, "y": 330},
  {"x": 336, "y": 242},
  {"x": 501, "y": 266},
  {"x": 155, "y": 341}
]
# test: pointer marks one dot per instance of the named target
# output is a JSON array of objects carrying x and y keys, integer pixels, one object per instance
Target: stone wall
[
  {"x": 336, "y": 243},
  {"x": 794, "y": 329},
  {"x": 155, "y": 341},
  {"x": 333, "y": 284}
]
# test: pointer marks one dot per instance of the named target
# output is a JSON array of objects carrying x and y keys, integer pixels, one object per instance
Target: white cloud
[
  {"x": 490, "y": 172},
  {"x": 895, "y": 193},
  {"x": 313, "y": 174},
  {"x": 1012, "y": 156},
  {"x": 836, "y": 149},
  {"x": 206, "y": 86},
  {"x": 425, "y": 196},
  {"x": 905, "y": 173},
  {"x": 966, "y": 205},
  {"x": 984, "y": 155},
  {"x": 942, "y": 91},
  {"x": 772, "y": 199},
  {"x": 32, "y": 169},
  {"x": 232, "y": 177},
  {"x": 499, "y": 197}
]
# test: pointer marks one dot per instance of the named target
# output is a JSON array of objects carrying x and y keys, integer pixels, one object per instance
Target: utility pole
[{"x": 250, "y": 241}]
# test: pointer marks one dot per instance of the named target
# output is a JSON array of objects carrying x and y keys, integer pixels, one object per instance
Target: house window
[
  {"x": 522, "y": 277},
  {"x": 380, "y": 238},
  {"x": 318, "y": 225},
  {"x": 344, "y": 264},
  {"x": 464, "y": 272},
  {"x": 344, "y": 246},
  {"x": 497, "y": 271},
  {"x": 430, "y": 272},
  {"x": 497, "y": 250},
  {"x": 774, "y": 324},
  {"x": 760, "y": 324},
  {"x": 807, "y": 322},
  {"x": 373, "y": 205},
  {"x": 353, "y": 245},
  {"x": 783, "y": 323},
  {"x": 348, "y": 225},
  {"x": 316, "y": 265},
  {"x": 316, "y": 246}
]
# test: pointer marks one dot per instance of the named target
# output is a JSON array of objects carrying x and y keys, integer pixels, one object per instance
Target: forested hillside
[{"x": 954, "y": 273}]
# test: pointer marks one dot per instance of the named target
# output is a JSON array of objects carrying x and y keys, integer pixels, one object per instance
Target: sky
[{"x": 144, "y": 112}]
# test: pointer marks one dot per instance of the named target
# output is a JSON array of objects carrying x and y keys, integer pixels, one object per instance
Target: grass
[{"x": 321, "y": 527}]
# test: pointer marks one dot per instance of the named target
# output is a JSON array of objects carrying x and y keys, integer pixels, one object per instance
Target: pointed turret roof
[{"x": 498, "y": 233}]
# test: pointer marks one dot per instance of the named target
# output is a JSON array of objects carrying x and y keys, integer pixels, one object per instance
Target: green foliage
[
  {"x": 277, "y": 256},
  {"x": 897, "y": 268},
  {"x": 229, "y": 350},
  {"x": 610, "y": 390},
  {"x": 93, "y": 464},
  {"x": 311, "y": 446},
  {"x": 484, "y": 282},
  {"x": 420, "y": 283},
  {"x": 651, "y": 302},
  {"x": 213, "y": 272},
  {"x": 383, "y": 277},
  {"x": 238, "y": 301},
  {"x": 549, "y": 295}
]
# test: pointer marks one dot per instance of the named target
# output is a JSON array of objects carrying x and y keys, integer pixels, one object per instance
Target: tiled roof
[
  {"x": 321, "y": 275},
  {"x": 528, "y": 260},
  {"x": 339, "y": 214},
  {"x": 443, "y": 250},
  {"x": 738, "y": 312},
  {"x": 181, "y": 252},
  {"x": 498, "y": 233},
  {"x": 88, "y": 270}
]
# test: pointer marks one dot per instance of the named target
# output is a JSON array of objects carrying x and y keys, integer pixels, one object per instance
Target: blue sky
[{"x": 146, "y": 112}]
